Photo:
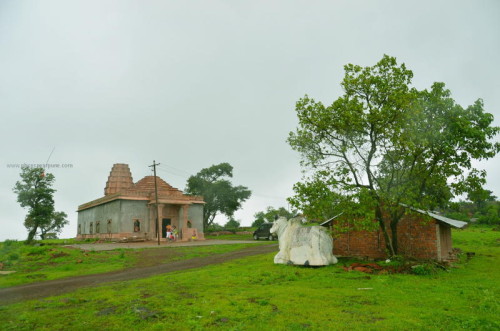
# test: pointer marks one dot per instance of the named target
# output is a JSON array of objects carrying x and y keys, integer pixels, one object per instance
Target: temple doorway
[{"x": 164, "y": 223}]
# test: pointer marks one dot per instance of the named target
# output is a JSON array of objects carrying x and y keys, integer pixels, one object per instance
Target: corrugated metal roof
[
  {"x": 440, "y": 218},
  {"x": 331, "y": 219}
]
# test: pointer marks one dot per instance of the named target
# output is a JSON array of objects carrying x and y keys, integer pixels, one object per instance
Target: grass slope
[
  {"x": 255, "y": 294},
  {"x": 52, "y": 261}
]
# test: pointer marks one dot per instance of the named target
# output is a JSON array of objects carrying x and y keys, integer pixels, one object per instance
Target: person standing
[
  {"x": 175, "y": 232},
  {"x": 169, "y": 232}
]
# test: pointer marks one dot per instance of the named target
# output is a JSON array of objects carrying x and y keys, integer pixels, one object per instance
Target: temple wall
[
  {"x": 132, "y": 210},
  {"x": 116, "y": 219},
  {"x": 102, "y": 214},
  {"x": 195, "y": 215}
]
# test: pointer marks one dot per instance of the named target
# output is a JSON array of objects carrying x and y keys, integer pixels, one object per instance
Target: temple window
[
  {"x": 91, "y": 228},
  {"x": 79, "y": 229},
  {"x": 98, "y": 227},
  {"x": 109, "y": 226}
]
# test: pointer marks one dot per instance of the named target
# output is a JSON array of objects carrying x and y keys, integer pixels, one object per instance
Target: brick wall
[{"x": 417, "y": 238}]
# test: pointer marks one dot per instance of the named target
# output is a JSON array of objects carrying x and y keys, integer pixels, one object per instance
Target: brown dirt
[
  {"x": 148, "y": 268},
  {"x": 152, "y": 257}
]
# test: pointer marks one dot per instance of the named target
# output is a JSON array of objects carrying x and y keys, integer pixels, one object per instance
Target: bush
[
  {"x": 214, "y": 227},
  {"x": 122, "y": 254},
  {"x": 36, "y": 250},
  {"x": 458, "y": 216},
  {"x": 424, "y": 269},
  {"x": 258, "y": 222},
  {"x": 9, "y": 243},
  {"x": 232, "y": 225},
  {"x": 13, "y": 256},
  {"x": 491, "y": 215}
]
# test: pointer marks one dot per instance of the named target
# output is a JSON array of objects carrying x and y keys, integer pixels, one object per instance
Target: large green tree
[
  {"x": 220, "y": 196},
  {"x": 35, "y": 193},
  {"x": 480, "y": 197},
  {"x": 383, "y": 145}
]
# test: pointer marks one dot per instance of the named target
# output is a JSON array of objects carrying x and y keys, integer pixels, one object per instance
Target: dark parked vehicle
[{"x": 263, "y": 231}]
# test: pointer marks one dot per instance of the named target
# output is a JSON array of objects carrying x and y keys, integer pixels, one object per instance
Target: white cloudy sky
[{"x": 194, "y": 83}]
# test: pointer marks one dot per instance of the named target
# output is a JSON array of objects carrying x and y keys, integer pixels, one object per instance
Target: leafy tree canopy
[
  {"x": 220, "y": 195},
  {"x": 480, "y": 196},
  {"x": 270, "y": 214},
  {"x": 35, "y": 193},
  {"x": 384, "y": 143},
  {"x": 232, "y": 224}
]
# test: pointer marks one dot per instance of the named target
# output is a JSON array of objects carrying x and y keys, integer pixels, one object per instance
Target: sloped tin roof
[{"x": 439, "y": 218}]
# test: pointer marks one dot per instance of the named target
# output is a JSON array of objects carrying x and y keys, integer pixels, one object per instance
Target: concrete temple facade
[{"x": 128, "y": 210}]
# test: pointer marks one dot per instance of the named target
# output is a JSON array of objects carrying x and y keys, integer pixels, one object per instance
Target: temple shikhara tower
[{"x": 128, "y": 209}]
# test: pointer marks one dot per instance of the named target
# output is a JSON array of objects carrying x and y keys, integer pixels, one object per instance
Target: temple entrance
[{"x": 164, "y": 223}]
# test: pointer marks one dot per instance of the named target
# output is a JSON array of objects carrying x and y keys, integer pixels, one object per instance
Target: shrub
[
  {"x": 9, "y": 243},
  {"x": 214, "y": 227},
  {"x": 36, "y": 250},
  {"x": 424, "y": 269},
  {"x": 491, "y": 216},
  {"x": 13, "y": 256},
  {"x": 232, "y": 225}
]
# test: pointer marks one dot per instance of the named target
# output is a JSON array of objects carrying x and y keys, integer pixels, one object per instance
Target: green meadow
[
  {"x": 55, "y": 261},
  {"x": 255, "y": 294}
]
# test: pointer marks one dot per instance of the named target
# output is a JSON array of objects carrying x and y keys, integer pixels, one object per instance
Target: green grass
[
  {"x": 481, "y": 239},
  {"x": 255, "y": 294},
  {"x": 48, "y": 262},
  {"x": 69, "y": 241},
  {"x": 230, "y": 237},
  {"x": 36, "y": 263},
  {"x": 190, "y": 252}
]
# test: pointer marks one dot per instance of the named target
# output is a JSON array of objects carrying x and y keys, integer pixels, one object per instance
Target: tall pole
[{"x": 158, "y": 229}]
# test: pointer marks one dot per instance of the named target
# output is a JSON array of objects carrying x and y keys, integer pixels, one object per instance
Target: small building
[
  {"x": 128, "y": 209},
  {"x": 421, "y": 235}
]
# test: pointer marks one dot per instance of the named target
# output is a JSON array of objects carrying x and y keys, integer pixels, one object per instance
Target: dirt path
[
  {"x": 153, "y": 244},
  {"x": 60, "y": 286}
]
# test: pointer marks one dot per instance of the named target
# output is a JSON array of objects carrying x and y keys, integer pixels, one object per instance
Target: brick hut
[
  {"x": 128, "y": 209},
  {"x": 421, "y": 235}
]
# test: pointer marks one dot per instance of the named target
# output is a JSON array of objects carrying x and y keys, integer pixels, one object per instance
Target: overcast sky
[{"x": 195, "y": 83}]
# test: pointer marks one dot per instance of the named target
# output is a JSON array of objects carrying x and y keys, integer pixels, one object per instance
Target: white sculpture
[{"x": 302, "y": 245}]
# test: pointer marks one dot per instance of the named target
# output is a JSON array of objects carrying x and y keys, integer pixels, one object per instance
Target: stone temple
[{"x": 128, "y": 209}]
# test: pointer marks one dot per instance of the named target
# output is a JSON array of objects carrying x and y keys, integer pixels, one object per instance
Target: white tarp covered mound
[{"x": 302, "y": 245}]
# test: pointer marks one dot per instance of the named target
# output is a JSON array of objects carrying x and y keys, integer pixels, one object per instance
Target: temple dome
[{"x": 119, "y": 180}]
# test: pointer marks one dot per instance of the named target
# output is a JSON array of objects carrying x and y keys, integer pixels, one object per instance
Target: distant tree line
[
  {"x": 270, "y": 214},
  {"x": 482, "y": 206}
]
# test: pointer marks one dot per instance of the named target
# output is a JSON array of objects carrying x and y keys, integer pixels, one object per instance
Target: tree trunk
[
  {"x": 388, "y": 241},
  {"x": 31, "y": 235},
  {"x": 394, "y": 233}
]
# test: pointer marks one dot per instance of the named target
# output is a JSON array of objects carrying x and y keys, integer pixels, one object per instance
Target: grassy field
[
  {"x": 230, "y": 237},
  {"x": 255, "y": 294},
  {"x": 54, "y": 261}
]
